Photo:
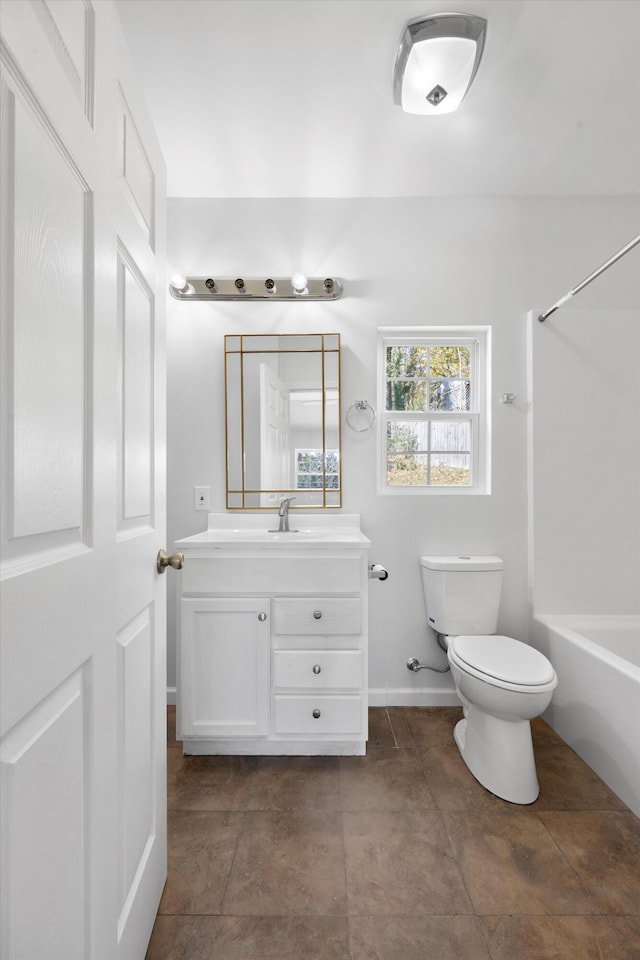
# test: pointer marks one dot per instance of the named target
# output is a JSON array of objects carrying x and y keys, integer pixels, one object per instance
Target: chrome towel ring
[{"x": 361, "y": 416}]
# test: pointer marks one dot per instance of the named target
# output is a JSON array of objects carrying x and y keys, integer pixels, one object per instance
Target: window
[
  {"x": 434, "y": 421},
  {"x": 309, "y": 475}
]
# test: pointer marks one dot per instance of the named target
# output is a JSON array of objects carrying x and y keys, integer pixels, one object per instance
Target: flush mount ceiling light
[
  {"x": 436, "y": 62},
  {"x": 298, "y": 287}
]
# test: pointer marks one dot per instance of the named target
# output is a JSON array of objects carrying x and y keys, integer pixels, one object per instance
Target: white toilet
[{"x": 501, "y": 682}]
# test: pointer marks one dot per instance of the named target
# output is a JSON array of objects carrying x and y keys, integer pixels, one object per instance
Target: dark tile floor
[{"x": 399, "y": 855}]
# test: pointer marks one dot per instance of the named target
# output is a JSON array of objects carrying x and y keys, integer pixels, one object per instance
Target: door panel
[
  {"x": 136, "y": 722},
  {"x": 45, "y": 316},
  {"x": 70, "y": 29},
  {"x": 47, "y": 746},
  {"x": 138, "y": 180},
  {"x": 82, "y": 722},
  {"x": 136, "y": 320}
]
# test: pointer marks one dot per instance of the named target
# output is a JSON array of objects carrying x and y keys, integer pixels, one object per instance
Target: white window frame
[{"x": 479, "y": 337}]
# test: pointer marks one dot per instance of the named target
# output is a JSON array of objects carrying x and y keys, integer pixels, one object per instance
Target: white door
[
  {"x": 82, "y": 726},
  {"x": 275, "y": 463}
]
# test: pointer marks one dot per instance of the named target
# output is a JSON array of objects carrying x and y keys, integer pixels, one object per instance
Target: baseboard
[
  {"x": 401, "y": 697},
  {"x": 171, "y": 696}
]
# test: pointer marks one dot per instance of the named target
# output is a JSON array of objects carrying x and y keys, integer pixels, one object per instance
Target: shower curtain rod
[{"x": 592, "y": 276}]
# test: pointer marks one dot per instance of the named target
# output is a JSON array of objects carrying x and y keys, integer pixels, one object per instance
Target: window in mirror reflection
[{"x": 309, "y": 473}]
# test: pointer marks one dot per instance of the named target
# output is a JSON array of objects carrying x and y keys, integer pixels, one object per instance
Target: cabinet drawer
[
  {"x": 333, "y": 715},
  {"x": 318, "y": 669},
  {"x": 317, "y": 616}
]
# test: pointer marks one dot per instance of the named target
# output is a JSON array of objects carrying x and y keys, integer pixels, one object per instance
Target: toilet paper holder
[{"x": 377, "y": 572}]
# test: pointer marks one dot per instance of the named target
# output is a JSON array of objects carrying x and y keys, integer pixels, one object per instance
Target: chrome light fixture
[
  {"x": 298, "y": 287},
  {"x": 180, "y": 284},
  {"x": 299, "y": 284},
  {"x": 436, "y": 62}
]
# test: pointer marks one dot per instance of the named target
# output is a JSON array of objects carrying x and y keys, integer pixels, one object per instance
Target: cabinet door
[{"x": 224, "y": 681}]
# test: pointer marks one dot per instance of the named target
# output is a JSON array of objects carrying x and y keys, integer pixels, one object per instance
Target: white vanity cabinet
[{"x": 272, "y": 649}]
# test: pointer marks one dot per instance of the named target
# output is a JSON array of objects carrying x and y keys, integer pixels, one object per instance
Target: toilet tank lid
[{"x": 462, "y": 563}]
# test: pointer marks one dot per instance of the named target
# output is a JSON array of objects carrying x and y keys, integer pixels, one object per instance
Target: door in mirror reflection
[{"x": 282, "y": 395}]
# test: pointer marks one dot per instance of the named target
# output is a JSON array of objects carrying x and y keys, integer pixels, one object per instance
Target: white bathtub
[{"x": 596, "y": 705}]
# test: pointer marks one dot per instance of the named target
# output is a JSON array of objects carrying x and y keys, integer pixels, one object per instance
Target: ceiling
[{"x": 293, "y": 98}]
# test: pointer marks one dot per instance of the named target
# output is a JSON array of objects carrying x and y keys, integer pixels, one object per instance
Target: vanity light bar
[{"x": 255, "y": 288}]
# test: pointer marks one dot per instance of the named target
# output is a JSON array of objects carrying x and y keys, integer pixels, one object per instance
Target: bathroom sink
[{"x": 228, "y": 530}]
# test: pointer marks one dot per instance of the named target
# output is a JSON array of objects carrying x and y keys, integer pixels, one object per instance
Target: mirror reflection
[{"x": 282, "y": 396}]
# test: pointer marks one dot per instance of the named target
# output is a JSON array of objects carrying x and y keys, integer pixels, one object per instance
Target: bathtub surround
[
  {"x": 410, "y": 262},
  {"x": 584, "y": 458},
  {"x": 584, "y": 529}
]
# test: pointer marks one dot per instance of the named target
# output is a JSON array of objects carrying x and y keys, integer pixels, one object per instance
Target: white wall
[
  {"x": 405, "y": 262},
  {"x": 584, "y": 503}
]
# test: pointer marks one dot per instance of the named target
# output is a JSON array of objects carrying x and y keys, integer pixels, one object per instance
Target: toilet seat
[{"x": 503, "y": 662}]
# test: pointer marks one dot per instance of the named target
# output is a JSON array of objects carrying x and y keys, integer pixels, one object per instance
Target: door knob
[{"x": 163, "y": 560}]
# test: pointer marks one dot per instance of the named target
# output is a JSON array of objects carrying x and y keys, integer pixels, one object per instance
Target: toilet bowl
[{"x": 501, "y": 682}]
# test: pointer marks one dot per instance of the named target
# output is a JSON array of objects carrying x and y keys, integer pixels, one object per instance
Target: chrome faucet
[{"x": 283, "y": 514}]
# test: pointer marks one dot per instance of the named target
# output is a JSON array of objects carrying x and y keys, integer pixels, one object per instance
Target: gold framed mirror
[{"x": 282, "y": 420}]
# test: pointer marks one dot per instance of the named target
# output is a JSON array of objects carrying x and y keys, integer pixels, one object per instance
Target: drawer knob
[
  {"x": 317, "y": 614},
  {"x": 317, "y": 668},
  {"x": 262, "y": 617},
  {"x": 316, "y": 714}
]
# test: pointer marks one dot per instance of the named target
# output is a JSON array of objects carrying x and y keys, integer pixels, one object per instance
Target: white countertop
[{"x": 261, "y": 530}]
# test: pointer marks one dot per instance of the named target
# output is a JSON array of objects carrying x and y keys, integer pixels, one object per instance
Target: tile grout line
[
  {"x": 590, "y": 893},
  {"x": 238, "y": 838},
  {"x": 393, "y": 733}
]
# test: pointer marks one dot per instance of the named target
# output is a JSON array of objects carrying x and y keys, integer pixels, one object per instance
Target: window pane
[
  {"x": 309, "y": 481},
  {"x": 452, "y": 361},
  {"x": 407, "y": 437},
  {"x": 450, "y": 436},
  {"x": 406, "y": 394},
  {"x": 407, "y": 471},
  {"x": 450, "y": 471},
  {"x": 450, "y": 395},
  {"x": 332, "y": 461},
  {"x": 406, "y": 361},
  {"x": 309, "y": 461},
  {"x": 313, "y": 481}
]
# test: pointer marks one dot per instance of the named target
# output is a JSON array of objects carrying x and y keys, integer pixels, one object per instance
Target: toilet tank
[{"x": 462, "y": 594}]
